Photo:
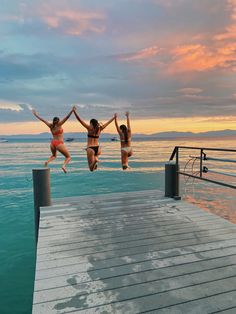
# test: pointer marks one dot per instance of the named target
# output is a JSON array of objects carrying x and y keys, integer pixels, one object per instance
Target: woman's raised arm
[
  {"x": 108, "y": 122},
  {"x": 41, "y": 119},
  {"x": 80, "y": 120},
  {"x": 116, "y": 123},
  {"x": 128, "y": 121},
  {"x": 66, "y": 117}
]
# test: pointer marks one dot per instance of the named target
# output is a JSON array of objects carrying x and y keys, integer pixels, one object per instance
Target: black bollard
[
  {"x": 172, "y": 180},
  {"x": 42, "y": 193}
]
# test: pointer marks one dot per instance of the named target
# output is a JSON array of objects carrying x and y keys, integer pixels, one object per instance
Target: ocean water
[{"x": 18, "y": 158}]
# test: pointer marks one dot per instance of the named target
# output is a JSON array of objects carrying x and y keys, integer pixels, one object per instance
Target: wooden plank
[{"x": 231, "y": 310}]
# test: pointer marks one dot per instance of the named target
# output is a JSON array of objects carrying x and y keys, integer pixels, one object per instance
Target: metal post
[
  {"x": 177, "y": 155},
  {"x": 201, "y": 156},
  {"x": 172, "y": 181},
  {"x": 42, "y": 193}
]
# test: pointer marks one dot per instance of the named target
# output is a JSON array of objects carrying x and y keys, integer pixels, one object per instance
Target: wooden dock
[{"x": 134, "y": 252}]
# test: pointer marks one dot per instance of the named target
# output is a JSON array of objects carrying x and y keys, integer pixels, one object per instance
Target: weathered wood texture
[{"x": 134, "y": 252}]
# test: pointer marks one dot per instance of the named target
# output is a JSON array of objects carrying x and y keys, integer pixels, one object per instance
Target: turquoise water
[{"x": 17, "y": 158}]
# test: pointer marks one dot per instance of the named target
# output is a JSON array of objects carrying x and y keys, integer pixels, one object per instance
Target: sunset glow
[
  {"x": 173, "y": 67},
  {"x": 148, "y": 126}
]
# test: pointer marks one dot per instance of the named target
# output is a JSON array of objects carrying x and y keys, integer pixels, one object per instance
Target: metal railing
[{"x": 202, "y": 156}]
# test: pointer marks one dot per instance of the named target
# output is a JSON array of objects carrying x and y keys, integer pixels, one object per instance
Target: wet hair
[
  {"x": 55, "y": 121},
  {"x": 124, "y": 130},
  {"x": 95, "y": 125}
]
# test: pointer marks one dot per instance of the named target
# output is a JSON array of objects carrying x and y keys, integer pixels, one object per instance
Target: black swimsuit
[
  {"x": 95, "y": 149},
  {"x": 93, "y": 136}
]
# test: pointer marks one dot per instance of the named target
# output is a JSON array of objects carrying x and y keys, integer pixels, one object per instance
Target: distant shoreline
[
  {"x": 134, "y": 138},
  {"x": 171, "y": 135}
]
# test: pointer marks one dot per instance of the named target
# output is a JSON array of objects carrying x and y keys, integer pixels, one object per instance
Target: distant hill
[
  {"x": 220, "y": 133},
  {"x": 171, "y": 134}
]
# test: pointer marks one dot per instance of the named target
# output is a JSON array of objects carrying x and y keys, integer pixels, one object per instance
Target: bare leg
[
  {"x": 54, "y": 155},
  {"x": 98, "y": 154},
  {"x": 63, "y": 150},
  {"x": 92, "y": 159},
  {"x": 124, "y": 160},
  {"x": 130, "y": 153}
]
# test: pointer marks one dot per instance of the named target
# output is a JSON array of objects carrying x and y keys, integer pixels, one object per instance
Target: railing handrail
[
  {"x": 201, "y": 148},
  {"x": 202, "y": 157}
]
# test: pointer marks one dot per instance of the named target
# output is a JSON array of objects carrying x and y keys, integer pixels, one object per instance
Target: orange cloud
[
  {"x": 188, "y": 54},
  {"x": 200, "y": 58}
]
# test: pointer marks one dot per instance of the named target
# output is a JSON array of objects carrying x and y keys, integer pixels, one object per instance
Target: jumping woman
[
  {"x": 94, "y": 130},
  {"x": 125, "y": 141},
  {"x": 57, "y": 143}
]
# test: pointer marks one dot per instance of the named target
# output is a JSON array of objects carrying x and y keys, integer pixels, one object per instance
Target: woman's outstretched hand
[
  {"x": 127, "y": 114},
  {"x": 34, "y": 112}
]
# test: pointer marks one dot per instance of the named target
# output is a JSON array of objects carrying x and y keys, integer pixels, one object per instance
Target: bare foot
[
  {"x": 93, "y": 166},
  {"x": 64, "y": 169}
]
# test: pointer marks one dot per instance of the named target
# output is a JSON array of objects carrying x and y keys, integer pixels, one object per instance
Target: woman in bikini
[
  {"x": 125, "y": 141},
  {"x": 94, "y": 130},
  {"x": 57, "y": 143}
]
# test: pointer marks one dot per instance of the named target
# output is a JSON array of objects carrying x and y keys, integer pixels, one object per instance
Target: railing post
[
  {"x": 172, "y": 178},
  {"x": 42, "y": 193},
  {"x": 201, "y": 156}
]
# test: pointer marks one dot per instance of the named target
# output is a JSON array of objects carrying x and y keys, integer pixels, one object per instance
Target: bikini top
[
  {"x": 60, "y": 131},
  {"x": 125, "y": 140}
]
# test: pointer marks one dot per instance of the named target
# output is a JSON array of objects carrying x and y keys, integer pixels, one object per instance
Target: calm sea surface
[{"x": 17, "y": 158}]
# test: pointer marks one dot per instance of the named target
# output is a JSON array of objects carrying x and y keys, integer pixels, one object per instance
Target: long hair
[
  {"x": 125, "y": 132},
  {"x": 55, "y": 121},
  {"x": 95, "y": 125}
]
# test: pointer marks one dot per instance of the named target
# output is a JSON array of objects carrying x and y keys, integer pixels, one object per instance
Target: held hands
[{"x": 74, "y": 108}]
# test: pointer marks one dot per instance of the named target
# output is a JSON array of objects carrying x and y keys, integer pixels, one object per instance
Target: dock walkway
[{"x": 134, "y": 252}]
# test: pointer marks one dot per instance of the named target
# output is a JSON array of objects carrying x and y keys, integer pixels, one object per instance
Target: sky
[{"x": 170, "y": 63}]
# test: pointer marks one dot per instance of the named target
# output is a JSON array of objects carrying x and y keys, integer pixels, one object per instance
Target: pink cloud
[
  {"x": 146, "y": 53},
  {"x": 230, "y": 31},
  {"x": 73, "y": 22},
  {"x": 190, "y": 91},
  {"x": 62, "y": 17}
]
